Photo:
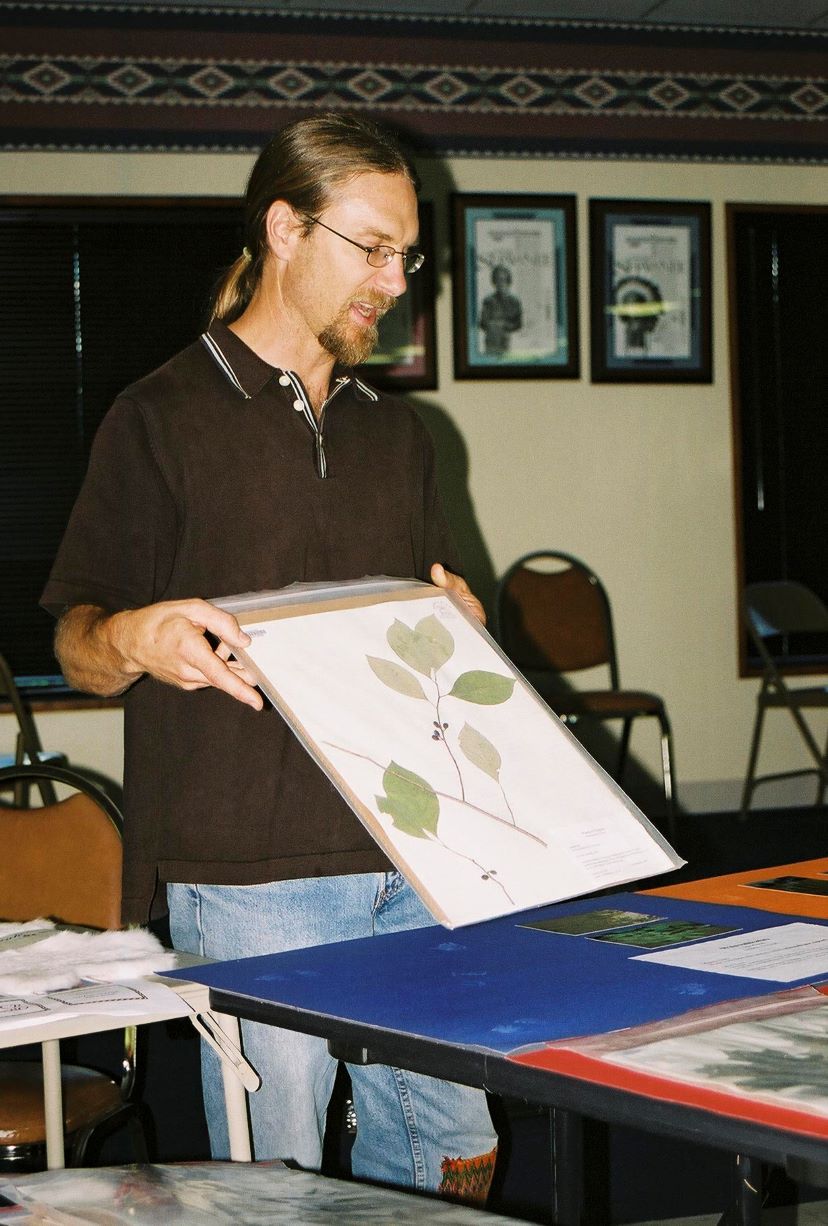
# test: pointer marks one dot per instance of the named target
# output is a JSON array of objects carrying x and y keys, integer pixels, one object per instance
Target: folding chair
[{"x": 778, "y": 610}]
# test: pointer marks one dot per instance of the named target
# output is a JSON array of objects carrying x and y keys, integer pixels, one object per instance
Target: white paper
[
  {"x": 783, "y": 954},
  {"x": 518, "y": 813},
  {"x": 26, "y": 933},
  {"x": 131, "y": 1000}
]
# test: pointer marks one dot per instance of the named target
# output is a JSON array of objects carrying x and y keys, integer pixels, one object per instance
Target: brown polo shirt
[{"x": 207, "y": 479}]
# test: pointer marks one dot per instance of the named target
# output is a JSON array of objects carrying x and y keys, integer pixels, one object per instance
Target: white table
[{"x": 49, "y": 1033}]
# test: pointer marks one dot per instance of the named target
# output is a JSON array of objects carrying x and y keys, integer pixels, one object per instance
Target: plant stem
[
  {"x": 447, "y": 796},
  {"x": 454, "y": 852},
  {"x": 445, "y": 742}
]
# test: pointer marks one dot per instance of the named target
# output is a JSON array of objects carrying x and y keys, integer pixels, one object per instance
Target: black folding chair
[{"x": 775, "y": 611}]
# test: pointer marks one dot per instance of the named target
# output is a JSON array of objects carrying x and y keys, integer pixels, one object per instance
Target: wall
[{"x": 635, "y": 479}]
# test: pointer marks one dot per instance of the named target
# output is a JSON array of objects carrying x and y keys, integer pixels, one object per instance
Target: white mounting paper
[{"x": 475, "y": 790}]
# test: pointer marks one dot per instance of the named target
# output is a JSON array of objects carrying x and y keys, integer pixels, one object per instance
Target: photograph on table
[
  {"x": 515, "y": 287},
  {"x": 650, "y": 291}
]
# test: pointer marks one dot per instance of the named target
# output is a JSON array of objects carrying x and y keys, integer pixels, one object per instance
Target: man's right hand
[{"x": 106, "y": 653}]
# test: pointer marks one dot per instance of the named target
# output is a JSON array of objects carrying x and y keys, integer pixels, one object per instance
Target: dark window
[
  {"x": 778, "y": 275},
  {"x": 95, "y": 294}
]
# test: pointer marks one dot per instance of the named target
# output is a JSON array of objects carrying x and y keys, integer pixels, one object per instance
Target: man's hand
[
  {"x": 168, "y": 641},
  {"x": 441, "y": 577},
  {"x": 107, "y": 653}
]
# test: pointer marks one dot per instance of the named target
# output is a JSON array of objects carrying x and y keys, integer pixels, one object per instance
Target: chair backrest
[
  {"x": 554, "y": 613},
  {"x": 784, "y": 607},
  {"x": 64, "y": 860},
  {"x": 781, "y": 608}
]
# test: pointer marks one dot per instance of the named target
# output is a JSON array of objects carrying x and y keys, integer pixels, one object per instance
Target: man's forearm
[{"x": 86, "y": 645}]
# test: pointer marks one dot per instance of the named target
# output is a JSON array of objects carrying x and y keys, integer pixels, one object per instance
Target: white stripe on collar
[
  {"x": 223, "y": 362},
  {"x": 363, "y": 387},
  {"x": 215, "y": 351}
]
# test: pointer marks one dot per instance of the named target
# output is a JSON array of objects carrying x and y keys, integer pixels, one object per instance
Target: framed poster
[
  {"x": 405, "y": 358},
  {"x": 650, "y": 291},
  {"x": 515, "y": 299}
]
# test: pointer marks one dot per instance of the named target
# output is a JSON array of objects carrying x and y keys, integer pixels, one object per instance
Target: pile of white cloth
[{"x": 54, "y": 958}]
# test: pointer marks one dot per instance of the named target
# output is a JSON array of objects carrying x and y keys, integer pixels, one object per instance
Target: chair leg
[
  {"x": 668, "y": 773},
  {"x": 88, "y": 1142},
  {"x": 822, "y": 777},
  {"x": 809, "y": 739},
  {"x": 747, "y": 790},
  {"x": 623, "y": 749},
  {"x": 137, "y": 1125}
]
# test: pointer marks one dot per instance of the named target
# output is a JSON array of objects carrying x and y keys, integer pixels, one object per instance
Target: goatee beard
[
  {"x": 348, "y": 343},
  {"x": 349, "y": 349}
]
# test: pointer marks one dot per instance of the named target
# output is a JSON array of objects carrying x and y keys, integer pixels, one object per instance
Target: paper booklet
[{"x": 473, "y": 788}]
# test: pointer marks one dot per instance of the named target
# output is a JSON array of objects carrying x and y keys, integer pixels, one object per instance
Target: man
[{"x": 251, "y": 460}]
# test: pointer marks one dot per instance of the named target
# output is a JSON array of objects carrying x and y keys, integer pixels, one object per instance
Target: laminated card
[{"x": 472, "y": 787}]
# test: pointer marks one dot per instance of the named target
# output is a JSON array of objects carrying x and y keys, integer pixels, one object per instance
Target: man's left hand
[{"x": 441, "y": 577}]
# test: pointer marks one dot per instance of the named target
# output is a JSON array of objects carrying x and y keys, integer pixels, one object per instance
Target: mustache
[{"x": 382, "y": 303}]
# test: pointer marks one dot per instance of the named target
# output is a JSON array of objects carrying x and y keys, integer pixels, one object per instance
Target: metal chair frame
[
  {"x": 128, "y": 1110},
  {"x": 28, "y": 747},
  {"x": 782, "y": 608},
  {"x": 613, "y": 703}
]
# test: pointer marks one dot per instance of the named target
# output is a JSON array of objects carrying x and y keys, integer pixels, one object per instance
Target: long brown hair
[{"x": 302, "y": 164}]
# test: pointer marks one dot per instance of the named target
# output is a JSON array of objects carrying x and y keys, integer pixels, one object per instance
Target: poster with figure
[
  {"x": 650, "y": 291},
  {"x": 515, "y": 294},
  {"x": 515, "y": 309},
  {"x": 477, "y": 792}
]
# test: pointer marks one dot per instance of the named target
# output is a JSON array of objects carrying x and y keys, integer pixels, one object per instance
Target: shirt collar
[{"x": 249, "y": 373}]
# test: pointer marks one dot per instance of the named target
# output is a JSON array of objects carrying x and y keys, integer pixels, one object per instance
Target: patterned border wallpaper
[{"x": 128, "y": 75}]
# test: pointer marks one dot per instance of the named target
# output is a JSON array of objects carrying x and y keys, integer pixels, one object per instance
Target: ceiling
[
  {"x": 804, "y": 15},
  {"x": 791, "y": 16}
]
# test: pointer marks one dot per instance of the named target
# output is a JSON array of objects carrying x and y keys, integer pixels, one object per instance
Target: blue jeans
[{"x": 412, "y": 1131}]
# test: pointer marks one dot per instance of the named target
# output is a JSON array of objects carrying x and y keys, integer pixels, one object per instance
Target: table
[
  {"x": 495, "y": 1005},
  {"x": 49, "y": 1033}
]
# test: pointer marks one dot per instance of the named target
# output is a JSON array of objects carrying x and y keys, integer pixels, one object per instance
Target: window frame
[{"x": 48, "y": 691}]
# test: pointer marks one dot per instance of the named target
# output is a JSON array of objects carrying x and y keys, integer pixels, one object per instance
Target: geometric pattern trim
[{"x": 131, "y": 77}]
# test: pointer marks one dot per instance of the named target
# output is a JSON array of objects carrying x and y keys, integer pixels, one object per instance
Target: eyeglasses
[{"x": 377, "y": 257}]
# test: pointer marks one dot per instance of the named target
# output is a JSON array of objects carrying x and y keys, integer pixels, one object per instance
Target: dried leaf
[
  {"x": 425, "y": 648},
  {"x": 486, "y": 689},
  {"x": 396, "y": 678},
  {"x": 480, "y": 751},
  {"x": 410, "y": 801}
]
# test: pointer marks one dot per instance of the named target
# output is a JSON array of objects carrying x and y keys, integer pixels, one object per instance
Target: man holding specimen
[{"x": 254, "y": 459}]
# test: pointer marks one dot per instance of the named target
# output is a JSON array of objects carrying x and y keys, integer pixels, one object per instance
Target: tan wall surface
[{"x": 636, "y": 479}]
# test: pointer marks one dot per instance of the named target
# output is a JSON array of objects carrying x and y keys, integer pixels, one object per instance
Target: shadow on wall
[
  {"x": 599, "y": 738},
  {"x": 452, "y": 473}
]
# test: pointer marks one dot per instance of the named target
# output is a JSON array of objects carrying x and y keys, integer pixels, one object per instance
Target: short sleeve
[{"x": 118, "y": 548}]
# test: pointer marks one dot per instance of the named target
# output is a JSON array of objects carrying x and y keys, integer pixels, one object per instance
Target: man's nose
[{"x": 391, "y": 277}]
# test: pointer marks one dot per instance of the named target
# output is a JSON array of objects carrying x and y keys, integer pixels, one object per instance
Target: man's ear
[{"x": 283, "y": 229}]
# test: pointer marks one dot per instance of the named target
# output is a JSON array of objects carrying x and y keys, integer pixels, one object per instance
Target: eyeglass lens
[{"x": 380, "y": 257}]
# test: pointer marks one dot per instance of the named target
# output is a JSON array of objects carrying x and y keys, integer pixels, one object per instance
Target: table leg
[
  {"x": 235, "y": 1099},
  {"x": 53, "y": 1104},
  {"x": 748, "y": 1204},
  {"x": 567, "y": 1166}
]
